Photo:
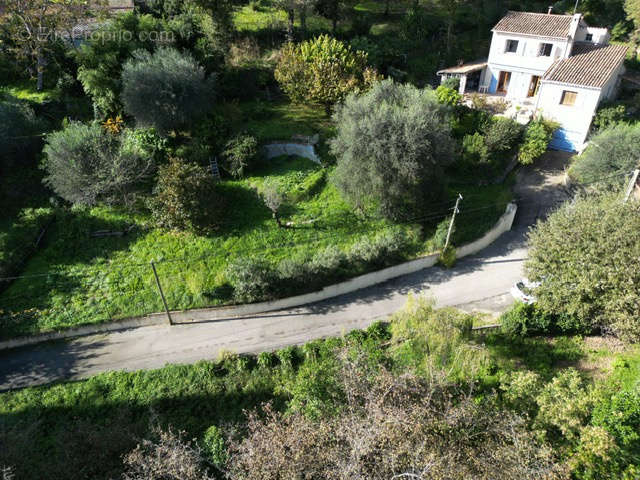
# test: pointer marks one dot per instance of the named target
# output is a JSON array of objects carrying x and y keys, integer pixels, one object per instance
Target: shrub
[
  {"x": 502, "y": 134},
  {"x": 167, "y": 457},
  {"x": 523, "y": 319},
  {"x": 448, "y": 96},
  {"x": 85, "y": 165},
  {"x": 252, "y": 279},
  {"x": 536, "y": 140},
  {"x": 240, "y": 154},
  {"x": 474, "y": 149},
  {"x": 384, "y": 248},
  {"x": 185, "y": 198},
  {"x": 594, "y": 277},
  {"x": 328, "y": 260},
  {"x": 448, "y": 257},
  {"x": 612, "y": 153},
  {"x": 431, "y": 339},
  {"x": 322, "y": 71},
  {"x": 166, "y": 90},
  {"x": 610, "y": 116},
  {"x": 520, "y": 389},
  {"x": 214, "y": 446},
  {"x": 452, "y": 83},
  {"x": 564, "y": 404},
  {"x": 391, "y": 147}
]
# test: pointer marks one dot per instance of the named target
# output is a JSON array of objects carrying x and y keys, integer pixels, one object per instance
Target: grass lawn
[{"x": 79, "y": 279}]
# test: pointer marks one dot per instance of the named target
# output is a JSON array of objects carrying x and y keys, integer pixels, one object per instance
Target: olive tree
[
  {"x": 322, "y": 71},
  {"x": 610, "y": 155},
  {"x": 586, "y": 257},
  {"x": 167, "y": 90},
  {"x": 85, "y": 164},
  {"x": 391, "y": 146}
]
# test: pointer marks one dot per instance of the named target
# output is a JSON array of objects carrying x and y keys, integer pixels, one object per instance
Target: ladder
[{"x": 215, "y": 171}]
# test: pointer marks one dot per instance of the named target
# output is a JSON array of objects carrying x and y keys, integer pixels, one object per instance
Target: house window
[
  {"x": 568, "y": 98},
  {"x": 545, "y": 49},
  {"x": 512, "y": 46},
  {"x": 589, "y": 37}
]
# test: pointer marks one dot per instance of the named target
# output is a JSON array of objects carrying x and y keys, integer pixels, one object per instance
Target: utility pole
[
  {"x": 456, "y": 210},
  {"x": 632, "y": 184},
  {"x": 164, "y": 300},
  {"x": 575, "y": 9}
]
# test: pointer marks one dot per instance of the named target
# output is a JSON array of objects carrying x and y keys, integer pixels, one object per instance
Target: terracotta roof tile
[
  {"x": 589, "y": 65},
  {"x": 540, "y": 24}
]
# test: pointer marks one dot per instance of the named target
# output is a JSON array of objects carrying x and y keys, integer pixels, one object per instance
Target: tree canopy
[
  {"x": 167, "y": 90},
  {"x": 322, "y": 71},
  {"x": 586, "y": 256},
  {"x": 85, "y": 164},
  {"x": 391, "y": 146},
  {"x": 611, "y": 154}
]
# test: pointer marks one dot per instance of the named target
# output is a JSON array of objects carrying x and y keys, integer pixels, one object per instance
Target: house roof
[
  {"x": 465, "y": 67},
  {"x": 539, "y": 24},
  {"x": 589, "y": 65}
]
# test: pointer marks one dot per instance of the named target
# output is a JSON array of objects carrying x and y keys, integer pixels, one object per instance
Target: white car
[{"x": 523, "y": 291}]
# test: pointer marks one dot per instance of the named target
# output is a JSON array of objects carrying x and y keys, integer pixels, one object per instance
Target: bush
[
  {"x": 564, "y": 405},
  {"x": 166, "y": 90},
  {"x": 502, "y": 134},
  {"x": 185, "y": 198},
  {"x": 252, "y": 279},
  {"x": 448, "y": 257},
  {"x": 328, "y": 261},
  {"x": 523, "y": 319},
  {"x": 611, "y": 154},
  {"x": 240, "y": 154},
  {"x": 214, "y": 446},
  {"x": 452, "y": 83},
  {"x": 383, "y": 249},
  {"x": 585, "y": 254},
  {"x": 448, "y": 96},
  {"x": 322, "y": 71},
  {"x": 474, "y": 150},
  {"x": 392, "y": 145},
  {"x": 536, "y": 141},
  {"x": 610, "y": 116},
  {"x": 86, "y": 165}
]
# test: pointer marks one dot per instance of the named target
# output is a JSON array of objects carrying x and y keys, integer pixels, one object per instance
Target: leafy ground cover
[
  {"x": 77, "y": 278},
  {"x": 57, "y": 428}
]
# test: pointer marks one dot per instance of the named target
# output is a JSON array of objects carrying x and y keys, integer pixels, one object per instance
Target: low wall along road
[{"x": 219, "y": 313}]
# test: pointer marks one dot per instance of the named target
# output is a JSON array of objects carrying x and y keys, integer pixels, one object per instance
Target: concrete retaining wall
[
  {"x": 220, "y": 313},
  {"x": 304, "y": 150}
]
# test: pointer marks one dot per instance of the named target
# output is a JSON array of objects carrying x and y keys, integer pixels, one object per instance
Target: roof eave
[{"x": 530, "y": 34}]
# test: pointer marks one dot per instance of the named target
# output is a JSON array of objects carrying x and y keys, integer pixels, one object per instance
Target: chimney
[{"x": 550, "y": 10}]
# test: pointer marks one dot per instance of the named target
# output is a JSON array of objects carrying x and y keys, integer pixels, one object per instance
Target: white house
[{"x": 553, "y": 65}]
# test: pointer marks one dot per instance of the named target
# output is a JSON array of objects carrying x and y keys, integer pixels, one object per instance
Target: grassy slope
[
  {"x": 77, "y": 279},
  {"x": 59, "y": 427}
]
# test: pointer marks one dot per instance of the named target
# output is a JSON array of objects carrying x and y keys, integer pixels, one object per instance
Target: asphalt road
[{"x": 480, "y": 282}]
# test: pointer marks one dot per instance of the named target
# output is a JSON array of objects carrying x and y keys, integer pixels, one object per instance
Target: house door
[
  {"x": 533, "y": 86},
  {"x": 503, "y": 81}
]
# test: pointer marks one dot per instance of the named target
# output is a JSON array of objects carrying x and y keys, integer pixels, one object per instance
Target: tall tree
[
  {"x": 392, "y": 145},
  {"x": 632, "y": 7},
  {"x": 36, "y": 25},
  {"x": 322, "y": 71}
]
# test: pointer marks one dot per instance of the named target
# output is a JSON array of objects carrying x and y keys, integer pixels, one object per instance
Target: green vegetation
[
  {"x": 613, "y": 153},
  {"x": 559, "y": 386},
  {"x": 94, "y": 279},
  {"x": 593, "y": 278}
]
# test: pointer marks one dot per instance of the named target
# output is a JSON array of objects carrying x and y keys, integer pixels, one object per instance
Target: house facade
[{"x": 550, "y": 65}]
